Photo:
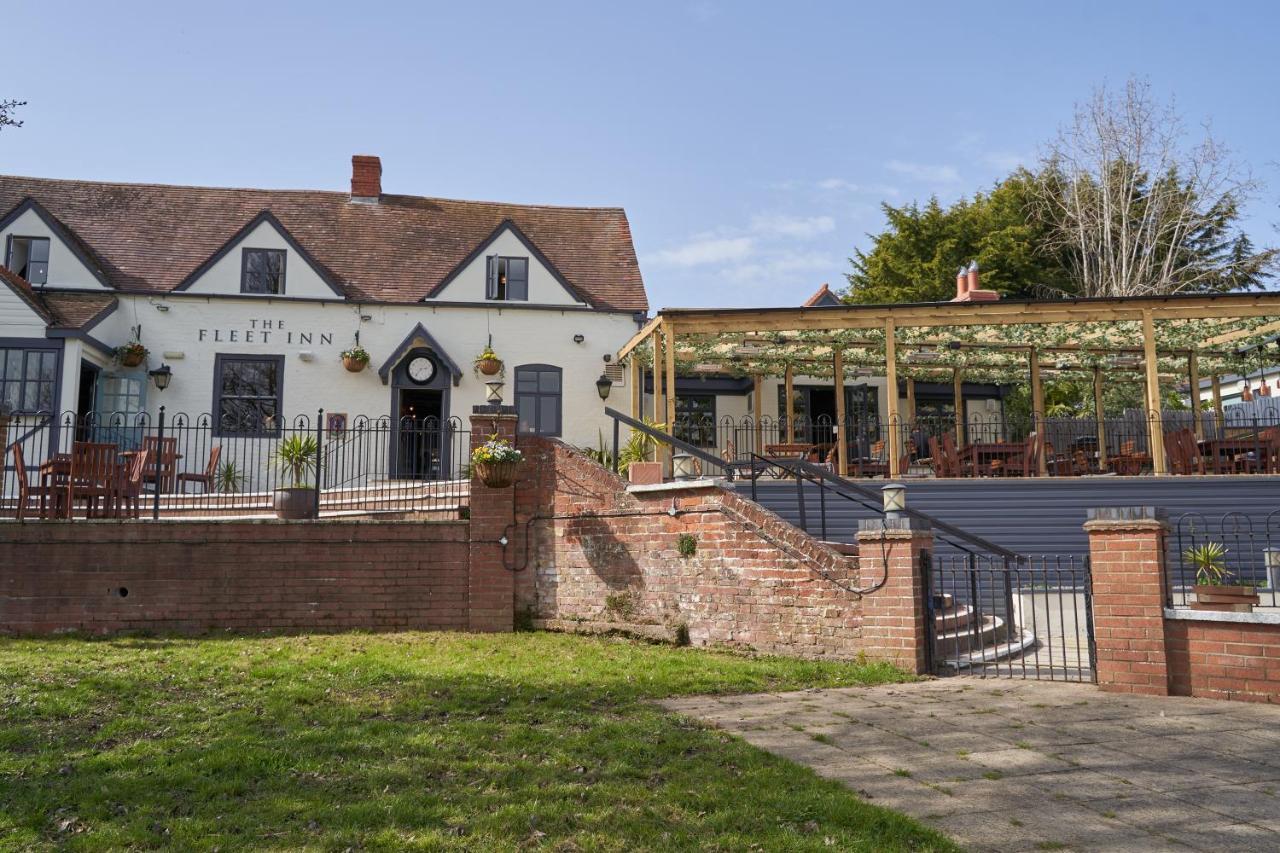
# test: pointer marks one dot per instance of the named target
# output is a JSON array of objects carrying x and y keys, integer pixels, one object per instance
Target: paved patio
[{"x": 1023, "y": 765}]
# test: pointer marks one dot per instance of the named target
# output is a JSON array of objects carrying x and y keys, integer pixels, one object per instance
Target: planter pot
[
  {"x": 489, "y": 366},
  {"x": 132, "y": 359},
  {"x": 295, "y": 503},
  {"x": 496, "y": 475},
  {"x": 644, "y": 473},
  {"x": 354, "y": 365},
  {"x": 1231, "y": 598}
]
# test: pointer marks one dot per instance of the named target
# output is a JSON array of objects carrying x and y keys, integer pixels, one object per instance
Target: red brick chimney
[
  {"x": 366, "y": 178},
  {"x": 968, "y": 288}
]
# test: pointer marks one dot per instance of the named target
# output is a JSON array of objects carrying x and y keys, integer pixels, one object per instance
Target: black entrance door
[
  {"x": 421, "y": 439},
  {"x": 85, "y": 401}
]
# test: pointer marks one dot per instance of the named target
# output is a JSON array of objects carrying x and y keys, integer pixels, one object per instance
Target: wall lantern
[
  {"x": 161, "y": 376},
  {"x": 493, "y": 391},
  {"x": 894, "y": 496},
  {"x": 603, "y": 385}
]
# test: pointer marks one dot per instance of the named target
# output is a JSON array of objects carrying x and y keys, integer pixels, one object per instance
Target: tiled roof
[
  {"x": 59, "y": 310},
  {"x": 823, "y": 296},
  {"x": 148, "y": 237}
]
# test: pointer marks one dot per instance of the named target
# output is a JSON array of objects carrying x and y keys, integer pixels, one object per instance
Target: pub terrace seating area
[
  {"x": 73, "y": 467},
  {"x": 1083, "y": 387}
]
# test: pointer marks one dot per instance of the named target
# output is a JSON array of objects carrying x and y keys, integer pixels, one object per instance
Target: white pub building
[{"x": 245, "y": 299}]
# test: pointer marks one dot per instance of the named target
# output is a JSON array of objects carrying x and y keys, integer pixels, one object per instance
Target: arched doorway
[{"x": 422, "y": 435}]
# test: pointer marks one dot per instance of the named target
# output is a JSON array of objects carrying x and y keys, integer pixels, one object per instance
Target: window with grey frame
[
  {"x": 696, "y": 419},
  {"x": 507, "y": 279},
  {"x": 28, "y": 257},
  {"x": 262, "y": 271},
  {"x": 29, "y": 379},
  {"x": 248, "y": 395},
  {"x": 538, "y": 399}
]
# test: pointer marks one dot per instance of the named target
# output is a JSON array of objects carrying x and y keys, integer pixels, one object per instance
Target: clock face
[{"x": 421, "y": 369}]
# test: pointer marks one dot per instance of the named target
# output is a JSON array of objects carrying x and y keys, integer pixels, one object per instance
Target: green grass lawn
[{"x": 436, "y": 741}]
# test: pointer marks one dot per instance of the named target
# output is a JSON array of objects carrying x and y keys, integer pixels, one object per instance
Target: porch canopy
[{"x": 1159, "y": 341}]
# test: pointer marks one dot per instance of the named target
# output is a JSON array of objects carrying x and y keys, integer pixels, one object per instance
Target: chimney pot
[
  {"x": 961, "y": 283},
  {"x": 366, "y": 177},
  {"x": 972, "y": 275}
]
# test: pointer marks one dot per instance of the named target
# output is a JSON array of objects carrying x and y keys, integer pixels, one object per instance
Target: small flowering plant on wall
[
  {"x": 495, "y": 462},
  {"x": 355, "y": 359}
]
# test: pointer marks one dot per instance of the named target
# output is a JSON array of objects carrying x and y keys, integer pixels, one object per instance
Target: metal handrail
[
  {"x": 837, "y": 485},
  {"x": 48, "y": 419},
  {"x": 667, "y": 438}
]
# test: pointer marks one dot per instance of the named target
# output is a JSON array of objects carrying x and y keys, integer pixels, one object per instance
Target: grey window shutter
[
  {"x": 491, "y": 277},
  {"x": 518, "y": 279}
]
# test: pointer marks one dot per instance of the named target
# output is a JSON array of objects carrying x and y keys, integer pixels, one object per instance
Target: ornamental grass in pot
[
  {"x": 355, "y": 359},
  {"x": 1212, "y": 590},
  {"x": 296, "y": 457},
  {"x": 495, "y": 462}
]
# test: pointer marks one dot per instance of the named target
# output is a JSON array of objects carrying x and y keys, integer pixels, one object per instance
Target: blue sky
[{"x": 750, "y": 143}]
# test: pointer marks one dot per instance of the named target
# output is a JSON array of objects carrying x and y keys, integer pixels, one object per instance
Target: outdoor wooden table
[
  {"x": 978, "y": 456},
  {"x": 1222, "y": 452},
  {"x": 55, "y": 472}
]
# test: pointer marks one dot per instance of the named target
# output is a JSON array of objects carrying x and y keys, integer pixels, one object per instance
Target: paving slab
[{"x": 1023, "y": 765}]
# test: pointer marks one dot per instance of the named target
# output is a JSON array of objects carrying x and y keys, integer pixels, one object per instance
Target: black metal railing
[
  {"x": 1243, "y": 441},
  {"x": 1233, "y": 549},
  {"x": 993, "y": 617},
  {"x": 199, "y": 467}
]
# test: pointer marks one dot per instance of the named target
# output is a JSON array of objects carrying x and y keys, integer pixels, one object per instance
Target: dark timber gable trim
[
  {"x": 509, "y": 225},
  {"x": 83, "y": 252},
  {"x": 416, "y": 338},
  {"x": 265, "y": 216}
]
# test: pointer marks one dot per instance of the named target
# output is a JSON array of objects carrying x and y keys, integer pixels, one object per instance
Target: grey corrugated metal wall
[{"x": 1032, "y": 516}]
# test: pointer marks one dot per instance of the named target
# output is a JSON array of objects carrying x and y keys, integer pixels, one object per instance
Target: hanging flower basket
[
  {"x": 497, "y": 475},
  {"x": 487, "y": 363},
  {"x": 131, "y": 355},
  {"x": 495, "y": 462},
  {"x": 355, "y": 359}
]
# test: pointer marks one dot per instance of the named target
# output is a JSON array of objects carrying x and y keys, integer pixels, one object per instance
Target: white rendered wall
[{"x": 65, "y": 269}]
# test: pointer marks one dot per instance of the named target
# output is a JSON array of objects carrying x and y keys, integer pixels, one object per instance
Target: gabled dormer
[
  {"x": 507, "y": 269},
  {"x": 42, "y": 251},
  {"x": 263, "y": 259}
]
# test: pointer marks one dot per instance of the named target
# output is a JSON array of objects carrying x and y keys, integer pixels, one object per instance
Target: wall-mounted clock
[{"x": 421, "y": 369}]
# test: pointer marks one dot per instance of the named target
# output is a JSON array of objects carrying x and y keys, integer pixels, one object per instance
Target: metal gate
[{"x": 1030, "y": 617}]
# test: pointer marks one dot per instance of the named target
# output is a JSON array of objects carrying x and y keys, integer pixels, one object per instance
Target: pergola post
[
  {"x": 1155, "y": 424},
  {"x": 957, "y": 399},
  {"x": 1193, "y": 374},
  {"x": 911, "y": 400},
  {"x": 669, "y": 336},
  {"x": 1219, "y": 420},
  {"x": 789, "y": 385},
  {"x": 1037, "y": 410},
  {"x": 659, "y": 402},
  {"x": 637, "y": 387},
  {"x": 842, "y": 428},
  {"x": 759, "y": 401},
  {"x": 891, "y": 379},
  {"x": 1100, "y": 417}
]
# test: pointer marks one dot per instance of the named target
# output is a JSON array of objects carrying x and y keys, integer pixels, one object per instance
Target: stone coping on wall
[
  {"x": 1257, "y": 617},
  {"x": 357, "y": 518},
  {"x": 677, "y": 486}
]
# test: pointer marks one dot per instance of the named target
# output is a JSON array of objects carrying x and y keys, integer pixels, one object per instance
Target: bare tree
[
  {"x": 1134, "y": 210},
  {"x": 7, "y": 109}
]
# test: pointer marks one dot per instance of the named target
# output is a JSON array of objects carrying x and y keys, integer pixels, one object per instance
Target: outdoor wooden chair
[
  {"x": 803, "y": 451},
  {"x": 163, "y": 469},
  {"x": 1183, "y": 452},
  {"x": 957, "y": 467},
  {"x": 208, "y": 477},
  {"x": 1128, "y": 462},
  {"x": 26, "y": 491},
  {"x": 1032, "y": 450},
  {"x": 94, "y": 477},
  {"x": 130, "y": 494}
]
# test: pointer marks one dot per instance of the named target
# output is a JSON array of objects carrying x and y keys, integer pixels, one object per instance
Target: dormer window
[
  {"x": 29, "y": 258},
  {"x": 508, "y": 279},
  {"x": 262, "y": 271}
]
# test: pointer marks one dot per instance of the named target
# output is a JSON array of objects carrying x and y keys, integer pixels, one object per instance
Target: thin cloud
[
  {"x": 705, "y": 250},
  {"x": 802, "y": 228},
  {"x": 925, "y": 172}
]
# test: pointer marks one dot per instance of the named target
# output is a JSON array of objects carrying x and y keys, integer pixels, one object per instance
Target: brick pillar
[
  {"x": 893, "y": 617},
  {"x": 1126, "y": 557},
  {"x": 490, "y": 584}
]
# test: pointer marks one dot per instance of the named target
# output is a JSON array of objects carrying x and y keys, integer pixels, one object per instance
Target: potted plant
[
  {"x": 228, "y": 479},
  {"x": 1210, "y": 560},
  {"x": 634, "y": 457},
  {"x": 355, "y": 359},
  {"x": 296, "y": 457},
  {"x": 495, "y": 461},
  {"x": 488, "y": 363},
  {"x": 132, "y": 354}
]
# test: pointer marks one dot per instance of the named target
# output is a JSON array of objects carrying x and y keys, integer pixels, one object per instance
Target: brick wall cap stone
[
  {"x": 490, "y": 410},
  {"x": 678, "y": 486},
  {"x": 1257, "y": 617},
  {"x": 1126, "y": 513},
  {"x": 901, "y": 523}
]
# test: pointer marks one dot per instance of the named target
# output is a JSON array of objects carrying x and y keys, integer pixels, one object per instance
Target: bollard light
[
  {"x": 894, "y": 496},
  {"x": 493, "y": 391},
  {"x": 684, "y": 467}
]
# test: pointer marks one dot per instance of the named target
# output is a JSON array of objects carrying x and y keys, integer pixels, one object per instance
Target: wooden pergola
[{"x": 1202, "y": 333}]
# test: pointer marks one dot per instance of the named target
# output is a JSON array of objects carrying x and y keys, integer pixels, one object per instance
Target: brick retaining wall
[
  {"x": 606, "y": 558},
  {"x": 1224, "y": 660},
  {"x": 192, "y": 576}
]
